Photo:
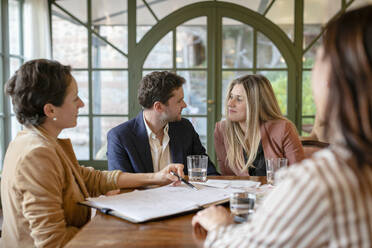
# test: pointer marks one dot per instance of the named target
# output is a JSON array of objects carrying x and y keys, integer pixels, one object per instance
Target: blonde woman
[
  {"x": 325, "y": 201},
  {"x": 254, "y": 129}
]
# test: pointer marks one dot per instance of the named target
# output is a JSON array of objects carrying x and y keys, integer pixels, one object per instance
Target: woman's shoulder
[
  {"x": 325, "y": 166},
  {"x": 280, "y": 125},
  {"x": 30, "y": 153},
  {"x": 29, "y": 144}
]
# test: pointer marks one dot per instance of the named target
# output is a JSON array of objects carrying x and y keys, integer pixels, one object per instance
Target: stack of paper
[{"x": 144, "y": 205}]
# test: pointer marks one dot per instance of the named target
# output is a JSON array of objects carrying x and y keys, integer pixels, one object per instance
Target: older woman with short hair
[{"x": 42, "y": 181}]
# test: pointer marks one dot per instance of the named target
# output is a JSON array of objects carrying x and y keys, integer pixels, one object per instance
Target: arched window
[
  {"x": 210, "y": 45},
  {"x": 111, "y": 44}
]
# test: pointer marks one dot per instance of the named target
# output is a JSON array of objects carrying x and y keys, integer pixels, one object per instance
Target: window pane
[
  {"x": 142, "y": 30},
  {"x": 145, "y": 20},
  {"x": 104, "y": 56},
  {"x": 227, "y": 78},
  {"x": 14, "y": 27},
  {"x": 1, "y": 143},
  {"x": 317, "y": 14},
  {"x": 255, "y": 5},
  {"x": 16, "y": 127},
  {"x": 70, "y": 42},
  {"x": 81, "y": 78},
  {"x": 79, "y": 136},
  {"x": 309, "y": 56},
  {"x": 161, "y": 55},
  {"x": 77, "y": 8},
  {"x": 308, "y": 105},
  {"x": 282, "y": 14},
  {"x": 1, "y": 95},
  {"x": 359, "y": 3},
  {"x": 237, "y": 44},
  {"x": 117, "y": 35},
  {"x": 278, "y": 81},
  {"x": 195, "y": 92},
  {"x": 14, "y": 64},
  {"x": 164, "y": 8},
  {"x": 110, "y": 92},
  {"x": 192, "y": 43},
  {"x": 307, "y": 125},
  {"x": 101, "y": 126},
  {"x": 145, "y": 72},
  {"x": 200, "y": 125},
  {"x": 113, "y": 12},
  {"x": 268, "y": 55},
  {"x": 310, "y": 33}
]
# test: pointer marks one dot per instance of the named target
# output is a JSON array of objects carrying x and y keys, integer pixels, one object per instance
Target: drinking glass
[
  {"x": 242, "y": 205},
  {"x": 272, "y": 166},
  {"x": 197, "y": 167}
]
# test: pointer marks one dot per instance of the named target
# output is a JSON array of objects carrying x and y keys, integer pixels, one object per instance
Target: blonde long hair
[{"x": 261, "y": 106}]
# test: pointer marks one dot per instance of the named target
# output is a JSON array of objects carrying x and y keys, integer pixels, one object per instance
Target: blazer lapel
[
  {"x": 142, "y": 143},
  {"x": 68, "y": 155}
]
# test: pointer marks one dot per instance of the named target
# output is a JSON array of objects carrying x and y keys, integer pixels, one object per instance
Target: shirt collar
[{"x": 150, "y": 133}]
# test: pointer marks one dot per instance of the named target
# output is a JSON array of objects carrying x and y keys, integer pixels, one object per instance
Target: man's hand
[{"x": 165, "y": 177}]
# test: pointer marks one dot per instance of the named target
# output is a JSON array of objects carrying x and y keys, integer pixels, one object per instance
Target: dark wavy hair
[
  {"x": 34, "y": 84},
  {"x": 348, "y": 49},
  {"x": 158, "y": 86}
]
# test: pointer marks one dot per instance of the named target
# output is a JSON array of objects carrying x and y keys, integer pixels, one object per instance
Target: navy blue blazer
[{"x": 128, "y": 147}]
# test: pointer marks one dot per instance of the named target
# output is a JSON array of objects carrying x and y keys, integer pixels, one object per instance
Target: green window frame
[
  {"x": 6, "y": 60},
  {"x": 137, "y": 51}
]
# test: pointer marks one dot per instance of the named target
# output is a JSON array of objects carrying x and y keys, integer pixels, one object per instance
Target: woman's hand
[
  {"x": 165, "y": 177},
  {"x": 134, "y": 180},
  {"x": 209, "y": 219}
]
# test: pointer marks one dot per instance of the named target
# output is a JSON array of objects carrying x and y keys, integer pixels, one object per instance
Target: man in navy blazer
[{"x": 158, "y": 135}]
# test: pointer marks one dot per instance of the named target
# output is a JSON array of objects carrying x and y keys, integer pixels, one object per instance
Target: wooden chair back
[{"x": 312, "y": 146}]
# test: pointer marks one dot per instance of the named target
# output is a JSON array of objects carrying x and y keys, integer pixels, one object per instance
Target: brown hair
[
  {"x": 348, "y": 49},
  {"x": 34, "y": 84},
  {"x": 158, "y": 86}
]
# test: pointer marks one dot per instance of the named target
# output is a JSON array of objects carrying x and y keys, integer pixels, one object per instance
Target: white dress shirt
[{"x": 159, "y": 151}]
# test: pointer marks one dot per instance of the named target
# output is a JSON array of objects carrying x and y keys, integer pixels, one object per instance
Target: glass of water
[
  {"x": 272, "y": 166},
  {"x": 242, "y": 205},
  {"x": 197, "y": 167}
]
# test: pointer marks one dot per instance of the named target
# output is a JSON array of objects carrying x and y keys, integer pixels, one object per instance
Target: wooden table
[{"x": 109, "y": 231}]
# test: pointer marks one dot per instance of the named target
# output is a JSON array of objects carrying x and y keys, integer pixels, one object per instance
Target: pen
[{"x": 183, "y": 180}]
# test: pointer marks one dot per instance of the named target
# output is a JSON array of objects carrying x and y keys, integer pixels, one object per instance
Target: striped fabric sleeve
[{"x": 295, "y": 214}]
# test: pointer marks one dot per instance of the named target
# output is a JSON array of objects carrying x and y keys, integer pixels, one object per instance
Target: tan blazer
[
  {"x": 40, "y": 187},
  {"x": 279, "y": 140}
]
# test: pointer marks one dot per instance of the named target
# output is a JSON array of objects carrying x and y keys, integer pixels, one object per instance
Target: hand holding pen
[
  {"x": 184, "y": 181},
  {"x": 164, "y": 176}
]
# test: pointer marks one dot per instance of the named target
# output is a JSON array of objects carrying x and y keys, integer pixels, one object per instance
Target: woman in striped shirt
[{"x": 323, "y": 202}]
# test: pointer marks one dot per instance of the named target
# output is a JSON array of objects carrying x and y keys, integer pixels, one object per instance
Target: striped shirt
[{"x": 325, "y": 201}]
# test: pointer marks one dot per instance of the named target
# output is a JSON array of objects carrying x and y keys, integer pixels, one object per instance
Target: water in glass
[{"x": 198, "y": 174}]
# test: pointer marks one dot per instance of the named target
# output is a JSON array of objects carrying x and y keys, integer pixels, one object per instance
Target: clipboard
[{"x": 167, "y": 201}]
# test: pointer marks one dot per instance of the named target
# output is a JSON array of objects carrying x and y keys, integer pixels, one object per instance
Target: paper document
[
  {"x": 236, "y": 184},
  {"x": 143, "y": 205}
]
